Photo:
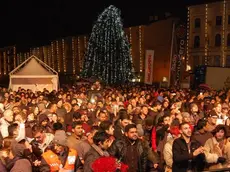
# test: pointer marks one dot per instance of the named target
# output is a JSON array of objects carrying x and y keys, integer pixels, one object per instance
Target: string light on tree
[{"x": 108, "y": 53}]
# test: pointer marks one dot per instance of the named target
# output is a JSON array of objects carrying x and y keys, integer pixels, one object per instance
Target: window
[
  {"x": 217, "y": 61},
  {"x": 227, "y": 64},
  {"x": 218, "y": 20},
  {"x": 218, "y": 40},
  {"x": 196, "y": 42},
  {"x": 228, "y": 40},
  {"x": 197, "y": 23}
]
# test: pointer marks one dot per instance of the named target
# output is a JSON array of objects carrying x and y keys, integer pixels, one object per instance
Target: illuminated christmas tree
[{"x": 108, "y": 53}]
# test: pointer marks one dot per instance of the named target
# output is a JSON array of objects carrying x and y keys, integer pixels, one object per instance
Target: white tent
[{"x": 33, "y": 74}]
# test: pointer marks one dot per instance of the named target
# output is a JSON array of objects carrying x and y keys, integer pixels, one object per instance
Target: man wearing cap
[
  {"x": 212, "y": 121},
  {"x": 60, "y": 158}
]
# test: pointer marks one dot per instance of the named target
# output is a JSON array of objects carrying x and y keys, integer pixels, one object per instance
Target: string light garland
[
  {"x": 74, "y": 55},
  {"x": 140, "y": 48},
  {"x": 15, "y": 57},
  {"x": 108, "y": 53},
  {"x": 223, "y": 34},
  {"x": 49, "y": 55},
  {"x": 206, "y": 36},
  {"x": 0, "y": 63},
  {"x": 85, "y": 47},
  {"x": 37, "y": 53},
  {"x": 63, "y": 55},
  {"x": 79, "y": 52},
  {"x": 4, "y": 62},
  {"x": 45, "y": 54},
  {"x": 58, "y": 56},
  {"x": 20, "y": 58},
  {"x": 187, "y": 47},
  {"x": 52, "y": 54},
  {"x": 8, "y": 60}
]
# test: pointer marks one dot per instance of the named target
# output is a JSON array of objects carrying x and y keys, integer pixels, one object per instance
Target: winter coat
[
  {"x": 118, "y": 131},
  {"x": 213, "y": 152},
  {"x": 167, "y": 154},
  {"x": 183, "y": 159},
  {"x": 2, "y": 167},
  {"x": 22, "y": 165},
  {"x": 94, "y": 153},
  {"x": 119, "y": 150},
  {"x": 4, "y": 127}
]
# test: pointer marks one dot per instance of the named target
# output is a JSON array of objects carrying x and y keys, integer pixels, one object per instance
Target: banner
[
  {"x": 178, "y": 53},
  {"x": 149, "y": 57}
]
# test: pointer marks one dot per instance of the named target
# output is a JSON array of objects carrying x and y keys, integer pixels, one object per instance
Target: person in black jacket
[
  {"x": 188, "y": 155},
  {"x": 132, "y": 151}
]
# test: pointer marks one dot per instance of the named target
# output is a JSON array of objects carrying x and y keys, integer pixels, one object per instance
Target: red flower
[{"x": 108, "y": 164}]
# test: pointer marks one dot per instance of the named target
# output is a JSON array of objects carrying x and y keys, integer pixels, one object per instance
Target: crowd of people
[{"x": 128, "y": 128}]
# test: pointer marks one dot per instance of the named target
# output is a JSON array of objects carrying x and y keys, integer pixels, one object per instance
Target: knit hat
[{"x": 60, "y": 138}]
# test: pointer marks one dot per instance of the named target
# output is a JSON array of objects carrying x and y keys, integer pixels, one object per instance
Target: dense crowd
[{"x": 128, "y": 128}]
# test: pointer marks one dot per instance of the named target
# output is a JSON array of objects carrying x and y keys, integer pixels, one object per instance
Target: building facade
[
  {"x": 208, "y": 34},
  {"x": 66, "y": 55},
  {"x": 8, "y": 60}
]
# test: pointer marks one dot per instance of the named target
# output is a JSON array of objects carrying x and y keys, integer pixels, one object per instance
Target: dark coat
[
  {"x": 90, "y": 157},
  {"x": 118, "y": 132},
  {"x": 183, "y": 160},
  {"x": 119, "y": 150},
  {"x": 2, "y": 167}
]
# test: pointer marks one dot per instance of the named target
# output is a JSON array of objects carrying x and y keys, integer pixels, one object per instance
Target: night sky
[{"x": 34, "y": 23}]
